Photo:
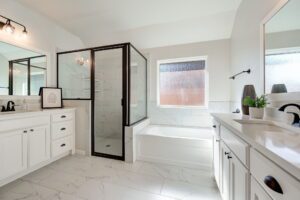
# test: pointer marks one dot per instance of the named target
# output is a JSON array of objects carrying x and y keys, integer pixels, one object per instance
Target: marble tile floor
[{"x": 93, "y": 178}]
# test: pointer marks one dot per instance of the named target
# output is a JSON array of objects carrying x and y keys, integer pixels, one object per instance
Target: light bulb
[{"x": 8, "y": 28}]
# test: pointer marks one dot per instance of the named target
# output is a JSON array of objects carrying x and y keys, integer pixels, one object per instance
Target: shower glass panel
[
  {"x": 20, "y": 78},
  {"x": 74, "y": 74},
  {"x": 37, "y": 74},
  {"x": 138, "y": 86},
  {"x": 108, "y": 109}
]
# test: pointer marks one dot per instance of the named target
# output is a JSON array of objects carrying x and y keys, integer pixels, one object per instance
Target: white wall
[
  {"x": 245, "y": 46},
  {"x": 43, "y": 34},
  {"x": 218, "y": 53}
]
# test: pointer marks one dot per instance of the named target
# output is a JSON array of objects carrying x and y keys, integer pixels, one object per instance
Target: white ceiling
[{"x": 148, "y": 23}]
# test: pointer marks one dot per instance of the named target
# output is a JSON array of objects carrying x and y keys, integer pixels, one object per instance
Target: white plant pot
[{"x": 256, "y": 113}]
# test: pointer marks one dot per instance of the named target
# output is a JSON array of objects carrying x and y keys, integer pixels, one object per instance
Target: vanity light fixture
[{"x": 10, "y": 29}]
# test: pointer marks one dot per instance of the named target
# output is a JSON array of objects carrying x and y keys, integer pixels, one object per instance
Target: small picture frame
[{"x": 51, "y": 97}]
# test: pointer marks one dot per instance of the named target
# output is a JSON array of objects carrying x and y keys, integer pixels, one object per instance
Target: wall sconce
[
  {"x": 8, "y": 27},
  {"x": 81, "y": 61}
]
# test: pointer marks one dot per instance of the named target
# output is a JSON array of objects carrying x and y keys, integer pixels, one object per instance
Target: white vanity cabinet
[
  {"x": 224, "y": 171},
  {"x": 248, "y": 174},
  {"x": 29, "y": 141},
  {"x": 233, "y": 174},
  {"x": 38, "y": 145},
  {"x": 216, "y": 155},
  {"x": 13, "y": 152}
]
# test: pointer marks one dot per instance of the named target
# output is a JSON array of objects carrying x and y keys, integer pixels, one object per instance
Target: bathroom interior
[{"x": 150, "y": 100}]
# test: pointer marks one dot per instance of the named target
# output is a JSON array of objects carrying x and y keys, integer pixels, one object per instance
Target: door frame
[{"x": 124, "y": 100}]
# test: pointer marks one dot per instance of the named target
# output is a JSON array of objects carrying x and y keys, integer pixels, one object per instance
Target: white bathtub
[{"x": 192, "y": 147}]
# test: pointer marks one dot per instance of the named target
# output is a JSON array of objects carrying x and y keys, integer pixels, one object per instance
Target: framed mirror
[
  {"x": 22, "y": 71},
  {"x": 282, "y": 48}
]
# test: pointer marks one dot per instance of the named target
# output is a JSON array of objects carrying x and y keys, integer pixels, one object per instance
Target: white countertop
[
  {"x": 280, "y": 145},
  {"x": 21, "y": 114}
]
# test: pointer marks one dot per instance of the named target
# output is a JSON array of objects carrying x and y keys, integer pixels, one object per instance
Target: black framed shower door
[{"x": 115, "y": 144}]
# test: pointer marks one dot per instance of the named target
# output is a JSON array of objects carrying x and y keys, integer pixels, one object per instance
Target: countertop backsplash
[{"x": 22, "y": 102}]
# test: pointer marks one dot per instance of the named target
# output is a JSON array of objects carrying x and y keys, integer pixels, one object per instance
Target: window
[{"x": 182, "y": 82}]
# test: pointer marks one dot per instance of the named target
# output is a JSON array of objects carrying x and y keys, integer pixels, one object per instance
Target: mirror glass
[
  {"x": 282, "y": 50},
  {"x": 22, "y": 71}
]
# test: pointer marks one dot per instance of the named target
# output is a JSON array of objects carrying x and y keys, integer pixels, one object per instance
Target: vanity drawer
[
  {"x": 62, "y": 129},
  {"x": 60, "y": 117},
  {"x": 236, "y": 145},
  {"x": 261, "y": 168},
  {"x": 61, "y": 146}
]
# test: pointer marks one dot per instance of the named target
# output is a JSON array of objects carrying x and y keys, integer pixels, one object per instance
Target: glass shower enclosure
[{"x": 114, "y": 78}]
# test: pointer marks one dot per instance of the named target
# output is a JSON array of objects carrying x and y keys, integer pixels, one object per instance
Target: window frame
[{"x": 184, "y": 59}]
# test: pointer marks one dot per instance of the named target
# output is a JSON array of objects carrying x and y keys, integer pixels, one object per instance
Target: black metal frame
[
  {"x": 126, "y": 90},
  {"x": 11, "y": 75}
]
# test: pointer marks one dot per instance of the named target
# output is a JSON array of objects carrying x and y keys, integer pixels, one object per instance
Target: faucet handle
[{"x": 296, "y": 118}]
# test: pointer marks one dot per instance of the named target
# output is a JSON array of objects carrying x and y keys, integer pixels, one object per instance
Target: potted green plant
[{"x": 256, "y": 106}]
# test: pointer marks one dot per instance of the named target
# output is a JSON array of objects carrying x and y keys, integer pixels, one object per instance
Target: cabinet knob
[
  {"x": 24, "y": 131},
  {"x": 63, "y": 129},
  {"x": 273, "y": 184},
  {"x": 229, "y": 157},
  {"x": 63, "y": 116},
  {"x": 31, "y": 130},
  {"x": 62, "y": 145},
  {"x": 214, "y": 126},
  {"x": 227, "y": 153}
]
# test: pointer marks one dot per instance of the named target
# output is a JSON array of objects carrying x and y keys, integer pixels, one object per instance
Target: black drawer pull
[
  {"x": 273, "y": 184},
  {"x": 63, "y": 145},
  {"x": 63, "y": 116},
  {"x": 214, "y": 126},
  {"x": 63, "y": 129}
]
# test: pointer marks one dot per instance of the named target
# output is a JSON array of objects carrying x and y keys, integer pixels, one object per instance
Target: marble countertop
[
  {"x": 272, "y": 139},
  {"x": 23, "y": 113}
]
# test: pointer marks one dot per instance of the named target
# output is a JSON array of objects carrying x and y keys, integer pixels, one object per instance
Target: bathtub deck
[{"x": 94, "y": 178}]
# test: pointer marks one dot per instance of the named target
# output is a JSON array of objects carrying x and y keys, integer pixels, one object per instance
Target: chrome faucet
[
  {"x": 296, "y": 121},
  {"x": 9, "y": 107}
]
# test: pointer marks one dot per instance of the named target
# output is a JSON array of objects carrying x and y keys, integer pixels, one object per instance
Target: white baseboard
[{"x": 80, "y": 152}]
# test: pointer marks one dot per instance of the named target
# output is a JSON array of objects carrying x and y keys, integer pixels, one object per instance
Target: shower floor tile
[
  {"x": 106, "y": 145},
  {"x": 94, "y": 178}
]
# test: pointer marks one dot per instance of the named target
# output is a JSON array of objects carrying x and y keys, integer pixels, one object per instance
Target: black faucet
[
  {"x": 9, "y": 107},
  {"x": 296, "y": 121}
]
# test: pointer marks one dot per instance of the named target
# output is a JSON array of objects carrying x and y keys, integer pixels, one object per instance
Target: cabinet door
[
  {"x": 13, "y": 153},
  {"x": 39, "y": 145},
  {"x": 217, "y": 160},
  {"x": 239, "y": 179},
  {"x": 257, "y": 192},
  {"x": 225, "y": 172}
]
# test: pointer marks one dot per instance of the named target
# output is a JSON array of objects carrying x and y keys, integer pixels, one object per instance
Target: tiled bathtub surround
[
  {"x": 93, "y": 178},
  {"x": 26, "y": 103},
  {"x": 186, "y": 116}
]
